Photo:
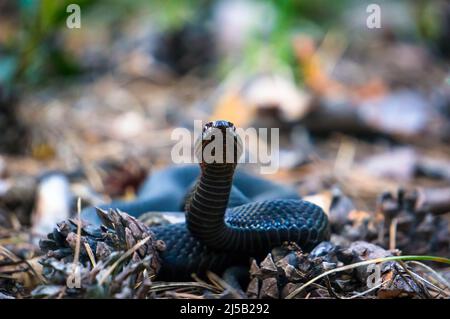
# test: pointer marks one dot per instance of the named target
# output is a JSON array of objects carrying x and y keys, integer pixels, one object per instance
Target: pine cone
[
  {"x": 284, "y": 269},
  {"x": 119, "y": 233}
]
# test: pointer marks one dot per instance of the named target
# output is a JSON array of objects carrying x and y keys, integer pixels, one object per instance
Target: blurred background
[{"x": 363, "y": 112}]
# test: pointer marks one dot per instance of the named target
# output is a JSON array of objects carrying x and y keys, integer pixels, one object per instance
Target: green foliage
[
  {"x": 274, "y": 48},
  {"x": 175, "y": 13},
  {"x": 32, "y": 51},
  {"x": 35, "y": 53},
  {"x": 8, "y": 68}
]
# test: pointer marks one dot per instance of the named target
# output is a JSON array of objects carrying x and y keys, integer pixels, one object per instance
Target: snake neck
[{"x": 208, "y": 204}]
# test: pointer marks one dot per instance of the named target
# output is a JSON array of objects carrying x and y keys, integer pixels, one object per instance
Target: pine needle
[
  {"x": 76, "y": 257},
  {"x": 437, "y": 276},
  {"x": 90, "y": 254},
  {"x": 364, "y": 263},
  {"x": 127, "y": 254}
]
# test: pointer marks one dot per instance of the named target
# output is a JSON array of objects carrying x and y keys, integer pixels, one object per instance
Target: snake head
[
  {"x": 223, "y": 126},
  {"x": 219, "y": 143}
]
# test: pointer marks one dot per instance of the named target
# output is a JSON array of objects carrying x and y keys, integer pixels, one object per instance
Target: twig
[
  {"x": 393, "y": 234},
  {"x": 76, "y": 256}
]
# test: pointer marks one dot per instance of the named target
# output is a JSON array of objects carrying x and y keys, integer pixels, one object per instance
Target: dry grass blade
[
  {"x": 224, "y": 285},
  {"x": 76, "y": 257},
  {"x": 197, "y": 279},
  {"x": 214, "y": 280},
  {"x": 437, "y": 276},
  {"x": 421, "y": 291},
  {"x": 365, "y": 263},
  {"x": 393, "y": 234},
  {"x": 175, "y": 285},
  {"x": 410, "y": 273},
  {"x": 440, "y": 290},
  {"x": 90, "y": 254},
  {"x": 418, "y": 277},
  {"x": 184, "y": 295},
  {"x": 367, "y": 291},
  {"x": 6, "y": 252}
]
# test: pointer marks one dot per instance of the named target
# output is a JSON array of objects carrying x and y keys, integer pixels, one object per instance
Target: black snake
[{"x": 230, "y": 215}]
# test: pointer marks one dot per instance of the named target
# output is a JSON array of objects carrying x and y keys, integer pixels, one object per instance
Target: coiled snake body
[{"x": 230, "y": 215}]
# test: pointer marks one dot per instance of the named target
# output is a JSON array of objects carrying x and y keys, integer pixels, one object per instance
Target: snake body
[{"x": 230, "y": 216}]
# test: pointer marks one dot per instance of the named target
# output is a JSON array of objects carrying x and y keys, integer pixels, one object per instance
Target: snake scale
[{"x": 230, "y": 215}]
